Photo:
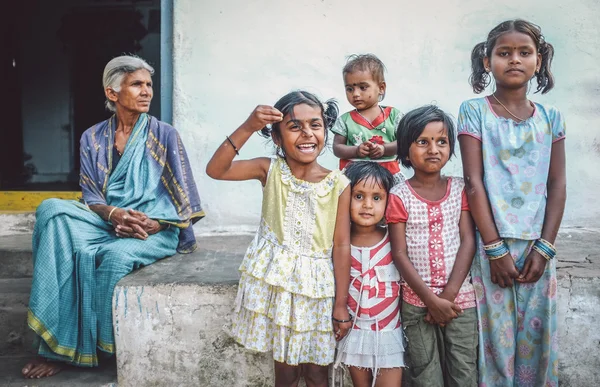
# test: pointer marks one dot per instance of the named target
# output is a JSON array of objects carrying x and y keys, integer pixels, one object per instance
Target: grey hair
[{"x": 115, "y": 71}]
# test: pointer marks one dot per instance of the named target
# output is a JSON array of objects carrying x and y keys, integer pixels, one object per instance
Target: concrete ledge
[{"x": 171, "y": 318}]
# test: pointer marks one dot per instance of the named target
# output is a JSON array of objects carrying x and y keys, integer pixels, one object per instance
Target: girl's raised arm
[{"x": 222, "y": 167}]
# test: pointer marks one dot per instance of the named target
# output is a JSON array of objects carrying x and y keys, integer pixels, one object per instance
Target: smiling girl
[{"x": 294, "y": 283}]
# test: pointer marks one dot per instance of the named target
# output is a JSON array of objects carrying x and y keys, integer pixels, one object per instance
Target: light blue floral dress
[{"x": 518, "y": 336}]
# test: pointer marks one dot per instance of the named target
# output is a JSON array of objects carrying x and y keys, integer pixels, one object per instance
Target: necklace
[
  {"x": 505, "y": 108},
  {"x": 365, "y": 118}
]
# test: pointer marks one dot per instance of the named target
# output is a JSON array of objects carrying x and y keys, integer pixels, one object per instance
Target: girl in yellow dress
[{"x": 295, "y": 275}]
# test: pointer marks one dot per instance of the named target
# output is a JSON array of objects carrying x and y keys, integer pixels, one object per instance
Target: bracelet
[
  {"x": 235, "y": 148},
  {"x": 545, "y": 248},
  {"x": 110, "y": 213},
  {"x": 496, "y": 250},
  {"x": 341, "y": 321}
]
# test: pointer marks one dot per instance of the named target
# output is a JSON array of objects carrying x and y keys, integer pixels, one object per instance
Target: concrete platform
[{"x": 171, "y": 318}]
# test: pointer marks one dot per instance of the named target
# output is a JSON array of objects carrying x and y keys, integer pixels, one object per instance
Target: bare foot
[{"x": 41, "y": 368}]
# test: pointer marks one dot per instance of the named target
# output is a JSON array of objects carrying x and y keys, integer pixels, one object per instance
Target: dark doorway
[{"x": 55, "y": 58}]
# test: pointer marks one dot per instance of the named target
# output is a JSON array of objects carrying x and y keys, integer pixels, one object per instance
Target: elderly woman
[{"x": 140, "y": 202}]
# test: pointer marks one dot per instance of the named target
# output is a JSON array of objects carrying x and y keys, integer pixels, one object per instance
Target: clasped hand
[
  {"x": 503, "y": 270},
  {"x": 133, "y": 224},
  {"x": 371, "y": 150},
  {"x": 442, "y": 310}
]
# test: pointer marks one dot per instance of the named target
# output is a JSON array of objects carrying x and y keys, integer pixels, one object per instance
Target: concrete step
[
  {"x": 14, "y": 222},
  {"x": 15, "y": 336},
  {"x": 15, "y": 256},
  {"x": 103, "y": 376}
]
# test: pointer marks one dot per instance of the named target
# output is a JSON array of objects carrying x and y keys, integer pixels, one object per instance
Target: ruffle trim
[
  {"x": 285, "y": 309},
  {"x": 364, "y": 342},
  {"x": 322, "y": 188},
  {"x": 299, "y": 274},
  {"x": 258, "y": 332}
]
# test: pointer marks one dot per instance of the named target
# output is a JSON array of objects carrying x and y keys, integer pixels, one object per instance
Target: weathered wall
[{"x": 231, "y": 55}]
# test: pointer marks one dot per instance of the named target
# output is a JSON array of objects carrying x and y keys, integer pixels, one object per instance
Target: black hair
[
  {"x": 366, "y": 62},
  {"x": 480, "y": 79},
  {"x": 411, "y": 126},
  {"x": 362, "y": 170},
  {"x": 286, "y": 105}
]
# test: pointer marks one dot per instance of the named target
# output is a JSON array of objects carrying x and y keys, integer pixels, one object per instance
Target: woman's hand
[
  {"x": 134, "y": 224},
  {"x": 503, "y": 271},
  {"x": 341, "y": 329},
  {"x": 262, "y": 116},
  {"x": 534, "y": 267}
]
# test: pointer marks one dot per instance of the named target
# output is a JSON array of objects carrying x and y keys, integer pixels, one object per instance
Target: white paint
[{"x": 231, "y": 55}]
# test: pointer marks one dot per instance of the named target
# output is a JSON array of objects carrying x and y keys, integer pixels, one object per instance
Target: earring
[{"x": 487, "y": 69}]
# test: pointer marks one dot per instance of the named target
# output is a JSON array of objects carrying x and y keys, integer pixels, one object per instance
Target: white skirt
[{"x": 372, "y": 349}]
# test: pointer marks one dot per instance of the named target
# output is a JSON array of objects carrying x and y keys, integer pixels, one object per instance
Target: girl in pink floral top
[{"x": 433, "y": 243}]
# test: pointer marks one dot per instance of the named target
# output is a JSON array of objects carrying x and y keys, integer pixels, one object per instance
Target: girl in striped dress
[{"x": 374, "y": 348}]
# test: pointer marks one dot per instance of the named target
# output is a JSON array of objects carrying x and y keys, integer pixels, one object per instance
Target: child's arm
[
  {"x": 341, "y": 265},
  {"x": 440, "y": 309},
  {"x": 347, "y": 152},
  {"x": 221, "y": 167},
  {"x": 535, "y": 264},
  {"x": 464, "y": 257},
  {"x": 502, "y": 270}
]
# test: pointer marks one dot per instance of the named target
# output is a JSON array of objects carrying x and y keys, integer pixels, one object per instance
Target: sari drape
[{"x": 78, "y": 259}]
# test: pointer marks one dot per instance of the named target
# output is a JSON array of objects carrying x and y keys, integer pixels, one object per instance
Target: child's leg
[
  {"x": 497, "y": 324},
  {"x": 389, "y": 377},
  {"x": 361, "y": 377},
  {"x": 286, "y": 375},
  {"x": 460, "y": 346},
  {"x": 422, "y": 351},
  {"x": 536, "y": 358},
  {"x": 315, "y": 375}
]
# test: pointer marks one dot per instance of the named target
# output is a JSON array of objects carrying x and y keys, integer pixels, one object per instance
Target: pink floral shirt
[{"x": 432, "y": 237}]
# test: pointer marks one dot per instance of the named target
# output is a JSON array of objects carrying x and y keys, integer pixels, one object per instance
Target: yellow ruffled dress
[{"x": 285, "y": 297}]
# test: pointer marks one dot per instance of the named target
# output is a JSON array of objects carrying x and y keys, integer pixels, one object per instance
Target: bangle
[
  {"x": 110, "y": 213},
  {"x": 545, "y": 248},
  {"x": 496, "y": 250},
  {"x": 341, "y": 321},
  {"x": 235, "y": 148}
]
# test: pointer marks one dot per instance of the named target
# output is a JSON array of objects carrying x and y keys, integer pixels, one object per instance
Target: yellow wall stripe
[{"x": 27, "y": 201}]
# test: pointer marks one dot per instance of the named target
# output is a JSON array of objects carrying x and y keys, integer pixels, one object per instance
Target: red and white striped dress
[{"x": 376, "y": 339}]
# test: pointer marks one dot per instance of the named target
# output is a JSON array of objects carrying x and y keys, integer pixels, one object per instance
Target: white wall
[{"x": 231, "y": 55}]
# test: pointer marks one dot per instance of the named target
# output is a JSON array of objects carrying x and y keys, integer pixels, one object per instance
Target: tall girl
[
  {"x": 514, "y": 165},
  {"x": 290, "y": 290}
]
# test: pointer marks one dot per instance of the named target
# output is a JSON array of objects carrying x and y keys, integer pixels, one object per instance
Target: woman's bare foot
[{"x": 41, "y": 368}]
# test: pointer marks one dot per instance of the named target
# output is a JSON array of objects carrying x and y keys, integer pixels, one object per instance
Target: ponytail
[
  {"x": 330, "y": 113},
  {"x": 479, "y": 79},
  {"x": 545, "y": 79}
]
